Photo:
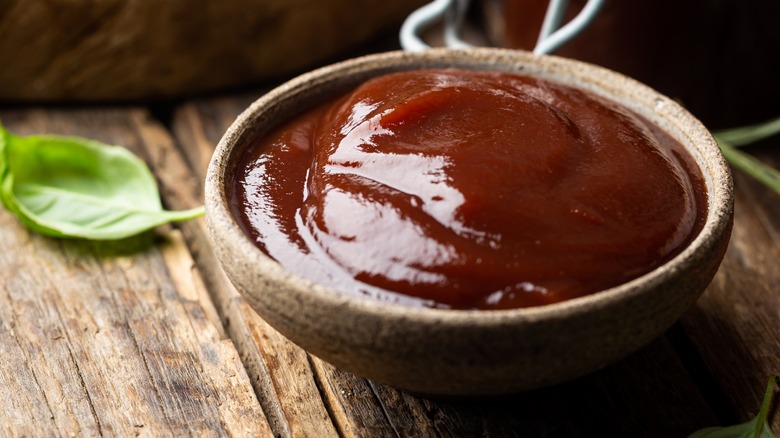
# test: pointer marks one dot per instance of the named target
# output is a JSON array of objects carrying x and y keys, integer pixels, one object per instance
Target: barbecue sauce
[{"x": 469, "y": 190}]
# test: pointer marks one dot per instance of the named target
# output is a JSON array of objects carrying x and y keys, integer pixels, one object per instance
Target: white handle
[{"x": 454, "y": 11}]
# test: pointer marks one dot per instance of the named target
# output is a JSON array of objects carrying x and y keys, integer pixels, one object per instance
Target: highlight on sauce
[{"x": 468, "y": 190}]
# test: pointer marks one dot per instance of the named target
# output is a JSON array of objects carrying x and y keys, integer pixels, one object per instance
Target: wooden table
[{"x": 146, "y": 336}]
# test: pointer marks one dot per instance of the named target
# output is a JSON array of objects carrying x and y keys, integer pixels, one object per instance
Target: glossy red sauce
[{"x": 462, "y": 189}]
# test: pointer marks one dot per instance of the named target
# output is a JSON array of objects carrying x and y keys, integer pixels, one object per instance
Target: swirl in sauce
[{"x": 469, "y": 190}]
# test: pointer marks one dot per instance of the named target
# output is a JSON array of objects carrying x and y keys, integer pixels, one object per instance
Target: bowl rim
[{"x": 224, "y": 230}]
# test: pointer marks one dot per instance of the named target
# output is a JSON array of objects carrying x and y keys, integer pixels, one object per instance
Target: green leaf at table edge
[
  {"x": 145, "y": 217},
  {"x": 758, "y": 427}
]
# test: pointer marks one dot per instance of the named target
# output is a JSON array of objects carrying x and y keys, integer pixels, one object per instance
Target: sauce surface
[{"x": 468, "y": 190}]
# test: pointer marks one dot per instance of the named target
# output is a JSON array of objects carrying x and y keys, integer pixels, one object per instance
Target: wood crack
[
  {"x": 149, "y": 374},
  {"x": 28, "y": 360},
  {"x": 387, "y": 415},
  {"x": 320, "y": 385},
  {"x": 76, "y": 366},
  {"x": 86, "y": 390}
]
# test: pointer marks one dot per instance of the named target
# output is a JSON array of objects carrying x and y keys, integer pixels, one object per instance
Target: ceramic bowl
[{"x": 469, "y": 352}]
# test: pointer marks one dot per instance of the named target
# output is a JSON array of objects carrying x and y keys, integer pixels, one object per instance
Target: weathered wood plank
[
  {"x": 42, "y": 387},
  {"x": 648, "y": 394},
  {"x": 280, "y": 370},
  {"x": 736, "y": 323},
  {"x": 113, "y": 338}
]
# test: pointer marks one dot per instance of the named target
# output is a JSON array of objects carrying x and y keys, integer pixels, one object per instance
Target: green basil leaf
[
  {"x": 75, "y": 187},
  {"x": 755, "y": 428},
  {"x": 744, "y": 430}
]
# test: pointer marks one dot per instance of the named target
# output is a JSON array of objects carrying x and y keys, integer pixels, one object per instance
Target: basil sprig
[
  {"x": 731, "y": 139},
  {"x": 755, "y": 428},
  {"x": 80, "y": 188}
]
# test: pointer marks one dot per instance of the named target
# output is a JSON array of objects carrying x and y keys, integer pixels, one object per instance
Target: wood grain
[
  {"x": 112, "y": 338},
  {"x": 629, "y": 396},
  {"x": 279, "y": 370}
]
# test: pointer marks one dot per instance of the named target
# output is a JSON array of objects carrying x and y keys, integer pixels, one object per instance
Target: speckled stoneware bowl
[{"x": 456, "y": 352}]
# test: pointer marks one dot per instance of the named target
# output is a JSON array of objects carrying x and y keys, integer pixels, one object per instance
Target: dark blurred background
[{"x": 719, "y": 58}]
